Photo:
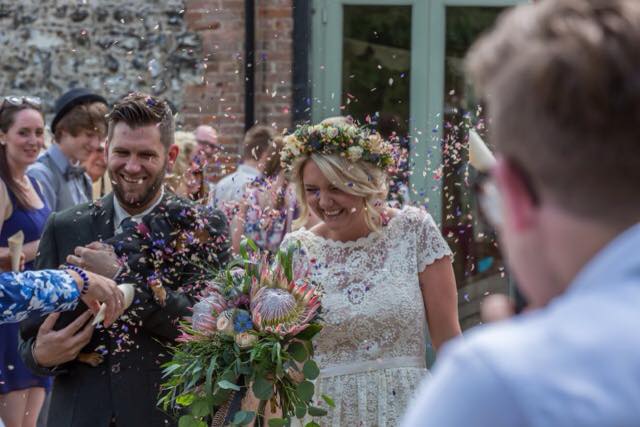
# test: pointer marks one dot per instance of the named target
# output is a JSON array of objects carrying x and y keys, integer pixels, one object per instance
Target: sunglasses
[{"x": 17, "y": 101}]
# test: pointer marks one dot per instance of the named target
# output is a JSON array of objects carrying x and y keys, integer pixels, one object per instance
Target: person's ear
[
  {"x": 520, "y": 209},
  {"x": 172, "y": 155}
]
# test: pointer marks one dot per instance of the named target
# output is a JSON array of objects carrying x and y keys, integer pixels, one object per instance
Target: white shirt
[
  {"x": 574, "y": 363},
  {"x": 119, "y": 214},
  {"x": 231, "y": 188}
]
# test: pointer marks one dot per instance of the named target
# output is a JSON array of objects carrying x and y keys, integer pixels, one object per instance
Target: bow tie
[{"x": 74, "y": 172}]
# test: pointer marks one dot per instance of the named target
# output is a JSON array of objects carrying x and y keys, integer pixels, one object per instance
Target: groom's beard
[{"x": 139, "y": 202}]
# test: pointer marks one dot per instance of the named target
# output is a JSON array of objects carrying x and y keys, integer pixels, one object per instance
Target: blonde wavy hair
[{"x": 361, "y": 179}]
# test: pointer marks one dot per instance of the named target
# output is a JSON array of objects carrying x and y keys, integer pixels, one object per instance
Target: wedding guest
[
  {"x": 140, "y": 150},
  {"x": 96, "y": 168},
  {"x": 187, "y": 178},
  {"x": 267, "y": 209},
  {"x": 207, "y": 140},
  {"x": 386, "y": 273},
  {"x": 22, "y": 208},
  {"x": 561, "y": 82},
  {"x": 78, "y": 127},
  {"x": 230, "y": 189}
]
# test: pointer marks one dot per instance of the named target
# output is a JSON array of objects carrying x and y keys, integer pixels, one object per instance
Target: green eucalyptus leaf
[
  {"x": 304, "y": 390},
  {"x": 208, "y": 384},
  {"x": 329, "y": 401},
  {"x": 314, "y": 411},
  {"x": 297, "y": 351},
  {"x": 185, "y": 399},
  {"x": 242, "y": 418},
  {"x": 301, "y": 411},
  {"x": 277, "y": 422},
  {"x": 187, "y": 421},
  {"x": 228, "y": 385},
  {"x": 310, "y": 370},
  {"x": 312, "y": 424},
  {"x": 200, "y": 408},
  {"x": 309, "y": 332},
  {"x": 263, "y": 388}
]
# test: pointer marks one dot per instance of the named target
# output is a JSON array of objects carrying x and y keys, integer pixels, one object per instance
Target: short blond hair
[
  {"x": 360, "y": 179},
  {"x": 561, "y": 79}
]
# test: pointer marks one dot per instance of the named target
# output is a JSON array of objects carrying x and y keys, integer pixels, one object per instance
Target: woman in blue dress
[{"x": 22, "y": 208}]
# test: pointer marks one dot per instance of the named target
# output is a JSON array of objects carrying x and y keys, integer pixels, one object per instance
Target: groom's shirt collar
[{"x": 119, "y": 214}]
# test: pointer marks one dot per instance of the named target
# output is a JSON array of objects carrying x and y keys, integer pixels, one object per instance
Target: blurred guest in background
[
  {"x": 79, "y": 126},
  {"x": 267, "y": 209},
  {"x": 187, "y": 177},
  {"x": 96, "y": 168},
  {"x": 230, "y": 190}
]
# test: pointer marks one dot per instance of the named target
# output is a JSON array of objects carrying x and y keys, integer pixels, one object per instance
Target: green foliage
[
  {"x": 328, "y": 400},
  {"x": 310, "y": 370},
  {"x": 243, "y": 418},
  {"x": 305, "y": 390},
  {"x": 298, "y": 352}
]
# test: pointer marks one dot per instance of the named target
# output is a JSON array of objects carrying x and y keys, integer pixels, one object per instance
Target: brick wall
[{"x": 219, "y": 100}]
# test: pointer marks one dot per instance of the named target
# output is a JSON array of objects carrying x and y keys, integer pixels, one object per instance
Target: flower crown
[{"x": 347, "y": 140}]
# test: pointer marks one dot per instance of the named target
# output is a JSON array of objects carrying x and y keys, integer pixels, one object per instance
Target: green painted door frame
[{"x": 427, "y": 79}]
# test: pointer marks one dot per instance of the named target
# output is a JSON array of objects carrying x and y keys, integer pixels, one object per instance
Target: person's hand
[
  {"x": 101, "y": 290},
  {"x": 96, "y": 257},
  {"x": 5, "y": 260},
  {"x": 53, "y": 348}
]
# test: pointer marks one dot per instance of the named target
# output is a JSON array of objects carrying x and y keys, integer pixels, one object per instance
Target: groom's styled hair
[
  {"x": 562, "y": 80},
  {"x": 140, "y": 109}
]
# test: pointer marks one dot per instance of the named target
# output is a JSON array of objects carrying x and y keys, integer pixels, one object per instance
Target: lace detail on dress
[{"x": 373, "y": 311}]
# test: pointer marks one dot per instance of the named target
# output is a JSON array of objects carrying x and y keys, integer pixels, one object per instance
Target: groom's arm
[{"x": 47, "y": 257}]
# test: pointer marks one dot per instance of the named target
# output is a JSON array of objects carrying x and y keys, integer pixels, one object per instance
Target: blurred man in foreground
[{"x": 561, "y": 82}]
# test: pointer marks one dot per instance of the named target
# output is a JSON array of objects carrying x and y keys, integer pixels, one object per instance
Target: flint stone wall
[{"x": 110, "y": 46}]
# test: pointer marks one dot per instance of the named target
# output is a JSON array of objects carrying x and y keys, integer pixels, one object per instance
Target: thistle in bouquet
[{"x": 254, "y": 330}]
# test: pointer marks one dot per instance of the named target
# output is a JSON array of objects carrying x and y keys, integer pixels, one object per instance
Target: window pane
[
  {"x": 376, "y": 64},
  {"x": 479, "y": 266}
]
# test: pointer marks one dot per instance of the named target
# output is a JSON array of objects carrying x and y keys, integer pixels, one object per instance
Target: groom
[{"x": 122, "y": 389}]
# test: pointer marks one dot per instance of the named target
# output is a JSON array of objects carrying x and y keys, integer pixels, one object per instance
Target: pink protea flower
[
  {"x": 206, "y": 311},
  {"x": 280, "y": 306}
]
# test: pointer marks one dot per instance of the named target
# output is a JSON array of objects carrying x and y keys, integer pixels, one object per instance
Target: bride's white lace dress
[{"x": 372, "y": 349}]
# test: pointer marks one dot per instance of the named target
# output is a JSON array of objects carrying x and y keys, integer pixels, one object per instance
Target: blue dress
[{"x": 14, "y": 375}]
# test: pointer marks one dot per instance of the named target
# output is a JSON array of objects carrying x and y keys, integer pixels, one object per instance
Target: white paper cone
[
  {"x": 128, "y": 292},
  {"x": 15, "y": 249},
  {"x": 480, "y": 157}
]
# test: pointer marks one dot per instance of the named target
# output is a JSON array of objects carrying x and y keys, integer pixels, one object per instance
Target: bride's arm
[{"x": 440, "y": 296}]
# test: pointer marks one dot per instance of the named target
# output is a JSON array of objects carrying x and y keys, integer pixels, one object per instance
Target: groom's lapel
[{"x": 102, "y": 218}]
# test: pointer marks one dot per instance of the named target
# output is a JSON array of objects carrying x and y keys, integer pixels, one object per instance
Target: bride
[{"x": 386, "y": 274}]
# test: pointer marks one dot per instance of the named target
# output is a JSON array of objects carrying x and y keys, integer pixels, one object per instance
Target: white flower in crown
[
  {"x": 351, "y": 130},
  {"x": 332, "y": 132},
  {"x": 354, "y": 153},
  {"x": 376, "y": 143}
]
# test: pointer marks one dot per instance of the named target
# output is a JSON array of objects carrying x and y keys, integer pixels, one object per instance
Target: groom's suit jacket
[{"x": 126, "y": 384}]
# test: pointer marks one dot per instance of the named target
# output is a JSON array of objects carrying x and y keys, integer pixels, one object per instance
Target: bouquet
[{"x": 252, "y": 331}]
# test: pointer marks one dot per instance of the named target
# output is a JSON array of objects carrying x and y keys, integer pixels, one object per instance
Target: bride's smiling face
[{"x": 339, "y": 210}]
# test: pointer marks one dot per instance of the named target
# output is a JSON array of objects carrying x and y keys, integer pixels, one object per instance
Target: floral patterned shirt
[{"x": 42, "y": 291}]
